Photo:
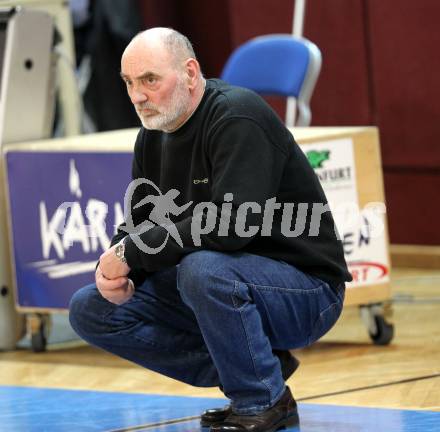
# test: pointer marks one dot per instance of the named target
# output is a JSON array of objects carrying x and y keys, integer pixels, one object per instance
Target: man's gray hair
[{"x": 177, "y": 44}]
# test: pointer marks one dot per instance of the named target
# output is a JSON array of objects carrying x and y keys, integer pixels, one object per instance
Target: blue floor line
[{"x": 31, "y": 409}]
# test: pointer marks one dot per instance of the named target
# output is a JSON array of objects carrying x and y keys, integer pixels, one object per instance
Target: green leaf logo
[{"x": 317, "y": 158}]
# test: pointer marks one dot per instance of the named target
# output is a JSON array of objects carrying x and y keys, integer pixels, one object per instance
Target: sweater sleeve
[
  {"x": 137, "y": 275},
  {"x": 246, "y": 171}
]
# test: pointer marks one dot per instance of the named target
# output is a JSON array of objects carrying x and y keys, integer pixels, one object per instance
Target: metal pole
[
  {"x": 298, "y": 18},
  {"x": 297, "y": 30}
]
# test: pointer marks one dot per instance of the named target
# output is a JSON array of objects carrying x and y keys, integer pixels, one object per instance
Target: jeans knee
[
  {"x": 84, "y": 307},
  {"x": 200, "y": 273}
]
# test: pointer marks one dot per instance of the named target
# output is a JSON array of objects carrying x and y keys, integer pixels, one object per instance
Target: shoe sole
[
  {"x": 290, "y": 421},
  {"x": 209, "y": 424}
]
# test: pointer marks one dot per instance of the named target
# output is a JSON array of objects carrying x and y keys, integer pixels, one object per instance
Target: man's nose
[{"x": 137, "y": 96}]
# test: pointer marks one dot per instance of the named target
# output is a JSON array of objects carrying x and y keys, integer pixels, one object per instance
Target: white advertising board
[{"x": 362, "y": 230}]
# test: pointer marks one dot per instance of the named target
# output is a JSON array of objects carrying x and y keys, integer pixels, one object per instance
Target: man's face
[
  {"x": 166, "y": 113},
  {"x": 156, "y": 86}
]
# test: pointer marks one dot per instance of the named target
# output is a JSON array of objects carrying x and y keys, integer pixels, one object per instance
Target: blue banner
[{"x": 64, "y": 209}]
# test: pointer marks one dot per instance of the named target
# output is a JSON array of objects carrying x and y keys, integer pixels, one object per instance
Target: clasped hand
[{"x": 111, "y": 278}]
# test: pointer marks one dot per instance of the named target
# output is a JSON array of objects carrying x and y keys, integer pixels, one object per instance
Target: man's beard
[{"x": 167, "y": 116}]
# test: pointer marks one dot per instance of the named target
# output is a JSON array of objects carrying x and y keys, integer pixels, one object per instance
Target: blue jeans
[{"x": 214, "y": 318}]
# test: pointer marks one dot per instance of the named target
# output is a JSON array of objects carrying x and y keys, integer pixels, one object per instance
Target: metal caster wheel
[
  {"x": 381, "y": 332},
  {"x": 38, "y": 328}
]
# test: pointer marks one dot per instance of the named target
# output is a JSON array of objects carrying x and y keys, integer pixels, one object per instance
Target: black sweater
[{"x": 233, "y": 144}]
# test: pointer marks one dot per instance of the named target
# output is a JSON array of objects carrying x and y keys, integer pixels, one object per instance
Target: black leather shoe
[
  {"x": 282, "y": 415},
  {"x": 215, "y": 415},
  {"x": 289, "y": 364}
]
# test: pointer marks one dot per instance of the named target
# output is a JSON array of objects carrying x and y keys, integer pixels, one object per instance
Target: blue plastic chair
[{"x": 278, "y": 64}]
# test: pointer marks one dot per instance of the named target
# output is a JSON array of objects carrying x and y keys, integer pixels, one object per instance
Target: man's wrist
[{"x": 120, "y": 251}]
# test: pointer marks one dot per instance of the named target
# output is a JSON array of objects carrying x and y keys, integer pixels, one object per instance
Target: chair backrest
[{"x": 278, "y": 64}]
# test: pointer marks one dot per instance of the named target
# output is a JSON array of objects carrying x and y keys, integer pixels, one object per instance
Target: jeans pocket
[
  {"x": 287, "y": 315},
  {"x": 325, "y": 321},
  {"x": 240, "y": 296}
]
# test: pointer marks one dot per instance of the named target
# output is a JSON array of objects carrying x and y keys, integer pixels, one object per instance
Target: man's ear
[{"x": 192, "y": 72}]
